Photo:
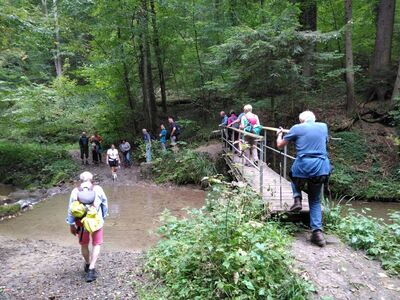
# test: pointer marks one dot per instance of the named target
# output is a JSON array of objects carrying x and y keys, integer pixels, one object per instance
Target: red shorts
[{"x": 84, "y": 237}]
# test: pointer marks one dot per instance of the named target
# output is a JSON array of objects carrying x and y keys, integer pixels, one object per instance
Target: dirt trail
[{"x": 341, "y": 273}]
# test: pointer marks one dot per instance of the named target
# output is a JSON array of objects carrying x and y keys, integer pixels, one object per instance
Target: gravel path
[{"x": 44, "y": 270}]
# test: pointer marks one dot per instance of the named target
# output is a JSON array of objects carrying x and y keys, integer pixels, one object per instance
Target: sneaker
[
  {"x": 83, "y": 162},
  {"x": 87, "y": 162},
  {"x": 86, "y": 268},
  {"x": 296, "y": 205},
  {"x": 317, "y": 238},
  {"x": 91, "y": 275}
]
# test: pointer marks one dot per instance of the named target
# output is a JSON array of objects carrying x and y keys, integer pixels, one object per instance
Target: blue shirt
[
  {"x": 224, "y": 120},
  {"x": 310, "y": 139},
  {"x": 147, "y": 138},
  {"x": 163, "y": 138}
]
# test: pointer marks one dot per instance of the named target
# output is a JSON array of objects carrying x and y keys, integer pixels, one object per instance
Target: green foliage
[
  {"x": 379, "y": 240},
  {"x": 354, "y": 176},
  {"x": 186, "y": 166},
  {"x": 30, "y": 165},
  {"x": 7, "y": 210},
  {"x": 225, "y": 252}
]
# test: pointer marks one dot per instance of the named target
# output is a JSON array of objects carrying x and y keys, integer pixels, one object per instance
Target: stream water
[{"x": 134, "y": 215}]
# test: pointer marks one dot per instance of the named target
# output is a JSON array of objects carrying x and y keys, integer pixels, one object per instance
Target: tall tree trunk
[
  {"x": 127, "y": 83},
  {"x": 232, "y": 12},
  {"x": 147, "y": 82},
  {"x": 350, "y": 101},
  {"x": 57, "y": 55},
  {"x": 157, "y": 50},
  {"x": 308, "y": 22},
  {"x": 384, "y": 34},
  {"x": 396, "y": 89}
]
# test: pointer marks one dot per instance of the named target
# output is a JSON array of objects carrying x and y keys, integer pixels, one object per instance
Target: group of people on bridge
[{"x": 311, "y": 168}]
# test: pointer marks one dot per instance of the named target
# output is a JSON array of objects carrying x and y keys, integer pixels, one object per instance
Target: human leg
[
  {"x": 85, "y": 253},
  {"x": 82, "y": 152},
  {"x": 148, "y": 152},
  {"x": 314, "y": 200}
]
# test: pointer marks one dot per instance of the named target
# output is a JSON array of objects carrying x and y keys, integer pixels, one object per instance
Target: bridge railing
[
  {"x": 264, "y": 143},
  {"x": 231, "y": 138},
  {"x": 283, "y": 153}
]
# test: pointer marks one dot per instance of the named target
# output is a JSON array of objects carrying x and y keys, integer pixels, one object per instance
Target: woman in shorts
[{"x": 113, "y": 160}]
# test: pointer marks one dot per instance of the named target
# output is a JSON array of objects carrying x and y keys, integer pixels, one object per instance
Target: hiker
[
  {"x": 84, "y": 147},
  {"x": 233, "y": 136},
  {"x": 175, "y": 130},
  {"x": 98, "y": 140},
  {"x": 250, "y": 123},
  {"x": 125, "y": 148},
  {"x": 147, "y": 141},
  {"x": 89, "y": 217},
  {"x": 113, "y": 160},
  {"x": 236, "y": 124},
  {"x": 163, "y": 138},
  {"x": 223, "y": 124},
  {"x": 95, "y": 153},
  {"x": 311, "y": 167}
]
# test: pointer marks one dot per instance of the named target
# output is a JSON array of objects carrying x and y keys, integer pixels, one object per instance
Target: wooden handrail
[
  {"x": 246, "y": 133},
  {"x": 274, "y": 129}
]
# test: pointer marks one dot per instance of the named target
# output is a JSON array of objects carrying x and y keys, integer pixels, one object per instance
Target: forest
[
  {"x": 120, "y": 66},
  {"x": 114, "y": 67}
]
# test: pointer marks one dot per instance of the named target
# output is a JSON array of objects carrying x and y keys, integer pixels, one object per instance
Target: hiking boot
[
  {"x": 83, "y": 162},
  {"x": 86, "y": 268},
  {"x": 317, "y": 238},
  {"x": 91, "y": 275},
  {"x": 296, "y": 205},
  {"x": 87, "y": 162}
]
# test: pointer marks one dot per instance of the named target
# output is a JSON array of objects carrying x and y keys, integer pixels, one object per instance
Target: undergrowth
[
  {"x": 33, "y": 165},
  {"x": 223, "y": 251},
  {"x": 6, "y": 210},
  {"x": 357, "y": 171},
  {"x": 362, "y": 232},
  {"x": 183, "y": 167}
]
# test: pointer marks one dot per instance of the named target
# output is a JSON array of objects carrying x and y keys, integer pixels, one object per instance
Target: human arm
[
  {"x": 280, "y": 142},
  {"x": 70, "y": 218},
  {"x": 104, "y": 201},
  {"x": 173, "y": 130}
]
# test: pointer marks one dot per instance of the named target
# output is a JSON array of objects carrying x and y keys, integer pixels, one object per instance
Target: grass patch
[
  {"x": 223, "y": 251},
  {"x": 7, "y": 210},
  {"x": 362, "y": 232},
  {"x": 32, "y": 165}
]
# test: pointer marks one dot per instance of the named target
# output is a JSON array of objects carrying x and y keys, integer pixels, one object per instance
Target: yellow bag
[
  {"x": 92, "y": 221},
  {"x": 78, "y": 209}
]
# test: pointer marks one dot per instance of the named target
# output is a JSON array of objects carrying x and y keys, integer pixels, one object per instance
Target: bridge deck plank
[{"x": 271, "y": 185}]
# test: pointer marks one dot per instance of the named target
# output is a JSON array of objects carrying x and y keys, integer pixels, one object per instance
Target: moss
[{"x": 7, "y": 210}]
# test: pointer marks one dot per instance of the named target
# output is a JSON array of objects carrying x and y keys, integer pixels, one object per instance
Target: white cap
[{"x": 86, "y": 176}]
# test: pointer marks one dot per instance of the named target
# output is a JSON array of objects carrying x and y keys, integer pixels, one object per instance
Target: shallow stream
[{"x": 134, "y": 214}]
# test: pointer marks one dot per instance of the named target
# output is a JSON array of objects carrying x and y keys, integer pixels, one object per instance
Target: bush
[
  {"x": 30, "y": 165},
  {"x": 6, "y": 210},
  {"x": 186, "y": 166},
  {"x": 223, "y": 252},
  {"x": 362, "y": 232}
]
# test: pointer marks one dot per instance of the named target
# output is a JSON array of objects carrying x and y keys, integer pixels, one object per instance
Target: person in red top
[{"x": 98, "y": 140}]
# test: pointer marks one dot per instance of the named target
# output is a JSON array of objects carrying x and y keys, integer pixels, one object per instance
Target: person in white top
[{"x": 113, "y": 160}]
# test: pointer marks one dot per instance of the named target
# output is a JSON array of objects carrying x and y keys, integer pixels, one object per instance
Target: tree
[
  {"x": 57, "y": 54},
  {"x": 157, "y": 50},
  {"x": 396, "y": 89},
  {"x": 380, "y": 66},
  {"x": 350, "y": 100}
]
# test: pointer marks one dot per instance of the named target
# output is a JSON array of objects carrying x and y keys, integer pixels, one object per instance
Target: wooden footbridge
[{"x": 274, "y": 186}]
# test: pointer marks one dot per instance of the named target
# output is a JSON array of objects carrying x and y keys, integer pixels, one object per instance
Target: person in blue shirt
[
  {"x": 223, "y": 124},
  {"x": 311, "y": 167},
  {"x": 163, "y": 138},
  {"x": 147, "y": 141}
]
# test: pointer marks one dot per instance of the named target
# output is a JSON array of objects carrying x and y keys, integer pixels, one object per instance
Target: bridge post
[
  {"x": 264, "y": 145},
  {"x": 284, "y": 161},
  {"x": 261, "y": 167}
]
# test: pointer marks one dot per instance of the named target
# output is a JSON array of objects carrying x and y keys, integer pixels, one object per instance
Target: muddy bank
[{"x": 44, "y": 270}]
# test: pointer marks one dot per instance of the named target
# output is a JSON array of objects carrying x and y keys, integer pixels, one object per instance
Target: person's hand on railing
[{"x": 279, "y": 131}]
